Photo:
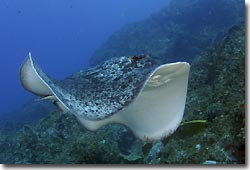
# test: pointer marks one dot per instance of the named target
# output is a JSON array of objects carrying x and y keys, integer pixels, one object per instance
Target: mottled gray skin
[{"x": 102, "y": 91}]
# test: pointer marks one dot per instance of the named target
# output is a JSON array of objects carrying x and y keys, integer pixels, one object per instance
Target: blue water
[{"x": 61, "y": 34}]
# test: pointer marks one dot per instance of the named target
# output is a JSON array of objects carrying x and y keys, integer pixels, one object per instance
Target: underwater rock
[
  {"x": 152, "y": 157},
  {"x": 217, "y": 88}
]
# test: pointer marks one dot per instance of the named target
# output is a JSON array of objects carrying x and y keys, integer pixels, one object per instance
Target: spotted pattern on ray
[{"x": 102, "y": 91}]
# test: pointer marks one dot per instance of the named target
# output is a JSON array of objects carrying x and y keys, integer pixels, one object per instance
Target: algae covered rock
[
  {"x": 216, "y": 94},
  {"x": 60, "y": 139},
  {"x": 179, "y": 32}
]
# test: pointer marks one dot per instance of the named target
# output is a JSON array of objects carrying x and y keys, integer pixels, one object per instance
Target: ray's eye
[{"x": 135, "y": 58}]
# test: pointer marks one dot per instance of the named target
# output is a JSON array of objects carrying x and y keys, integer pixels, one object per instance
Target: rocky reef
[
  {"x": 211, "y": 34},
  {"x": 179, "y": 32},
  {"x": 216, "y": 94},
  {"x": 216, "y": 98}
]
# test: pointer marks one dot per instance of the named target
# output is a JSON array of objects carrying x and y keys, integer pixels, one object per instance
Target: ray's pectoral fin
[
  {"x": 159, "y": 108},
  {"x": 30, "y": 79},
  {"x": 33, "y": 82}
]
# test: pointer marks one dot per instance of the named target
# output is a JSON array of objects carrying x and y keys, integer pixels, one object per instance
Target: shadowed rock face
[{"x": 179, "y": 32}]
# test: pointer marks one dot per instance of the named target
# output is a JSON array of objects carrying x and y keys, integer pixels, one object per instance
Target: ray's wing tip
[
  {"x": 29, "y": 57},
  {"x": 181, "y": 63},
  {"x": 185, "y": 63}
]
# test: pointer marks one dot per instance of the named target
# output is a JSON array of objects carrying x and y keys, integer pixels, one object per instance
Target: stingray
[{"x": 135, "y": 91}]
